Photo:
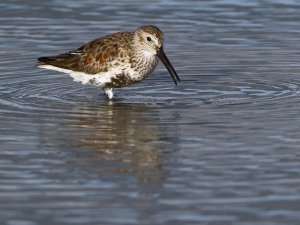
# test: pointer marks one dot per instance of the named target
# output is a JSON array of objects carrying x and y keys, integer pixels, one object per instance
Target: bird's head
[{"x": 150, "y": 41}]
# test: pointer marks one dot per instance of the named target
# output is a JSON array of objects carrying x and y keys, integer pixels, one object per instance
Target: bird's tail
[{"x": 65, "y": 61}]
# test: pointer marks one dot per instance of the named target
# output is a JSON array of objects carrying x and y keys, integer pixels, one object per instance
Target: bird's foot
[{"x": 109, "y": 93}]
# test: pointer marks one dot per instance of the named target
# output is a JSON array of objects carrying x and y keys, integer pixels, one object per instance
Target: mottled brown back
[{"x": 93, "y": 57}]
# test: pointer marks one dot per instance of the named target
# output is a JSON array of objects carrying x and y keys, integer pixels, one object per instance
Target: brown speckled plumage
[
  {"x": 114, "y": 61},
  {"x": 95, "y": 56}
]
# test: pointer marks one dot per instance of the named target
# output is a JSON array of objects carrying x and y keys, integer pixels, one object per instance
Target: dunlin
[{"x": 114, "y": 61}]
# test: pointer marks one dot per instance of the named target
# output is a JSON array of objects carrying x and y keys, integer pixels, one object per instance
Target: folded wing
[{"x": 91, "y": 58}]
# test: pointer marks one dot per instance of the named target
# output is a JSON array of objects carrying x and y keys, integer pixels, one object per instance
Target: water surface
[{"x": 220, "y": 148}]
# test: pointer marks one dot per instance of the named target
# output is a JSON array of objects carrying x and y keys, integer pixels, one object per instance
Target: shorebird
[{"x": 114, "y": 61}]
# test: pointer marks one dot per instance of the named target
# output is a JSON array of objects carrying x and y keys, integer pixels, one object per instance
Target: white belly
[{"x": 98, "y": 79}]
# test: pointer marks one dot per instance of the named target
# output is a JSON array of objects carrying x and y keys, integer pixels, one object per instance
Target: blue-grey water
[{"x": 221, "y": 148}]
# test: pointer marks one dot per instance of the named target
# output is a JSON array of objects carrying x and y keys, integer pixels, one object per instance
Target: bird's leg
[{"x": 109, "y": 93}]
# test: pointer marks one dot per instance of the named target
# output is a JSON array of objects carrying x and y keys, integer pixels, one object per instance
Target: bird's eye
[{"x": 149, "y": 39}]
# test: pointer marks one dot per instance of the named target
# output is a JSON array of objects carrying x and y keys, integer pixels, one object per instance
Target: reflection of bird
[
  {"x": 123, "y": 137},
  {"x": 114, "y": 61}
]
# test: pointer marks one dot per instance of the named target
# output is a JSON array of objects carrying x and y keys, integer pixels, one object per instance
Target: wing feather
[{"x": 94, "y": 57}]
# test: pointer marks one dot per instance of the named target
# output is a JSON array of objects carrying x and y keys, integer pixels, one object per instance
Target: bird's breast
[{"x": 143, "y": 66}]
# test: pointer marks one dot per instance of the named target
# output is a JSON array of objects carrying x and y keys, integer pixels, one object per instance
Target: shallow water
[{"x": 220, "y": 148}]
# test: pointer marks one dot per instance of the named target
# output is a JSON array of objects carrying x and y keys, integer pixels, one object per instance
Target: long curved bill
[{"x": 162, "y": 56}]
